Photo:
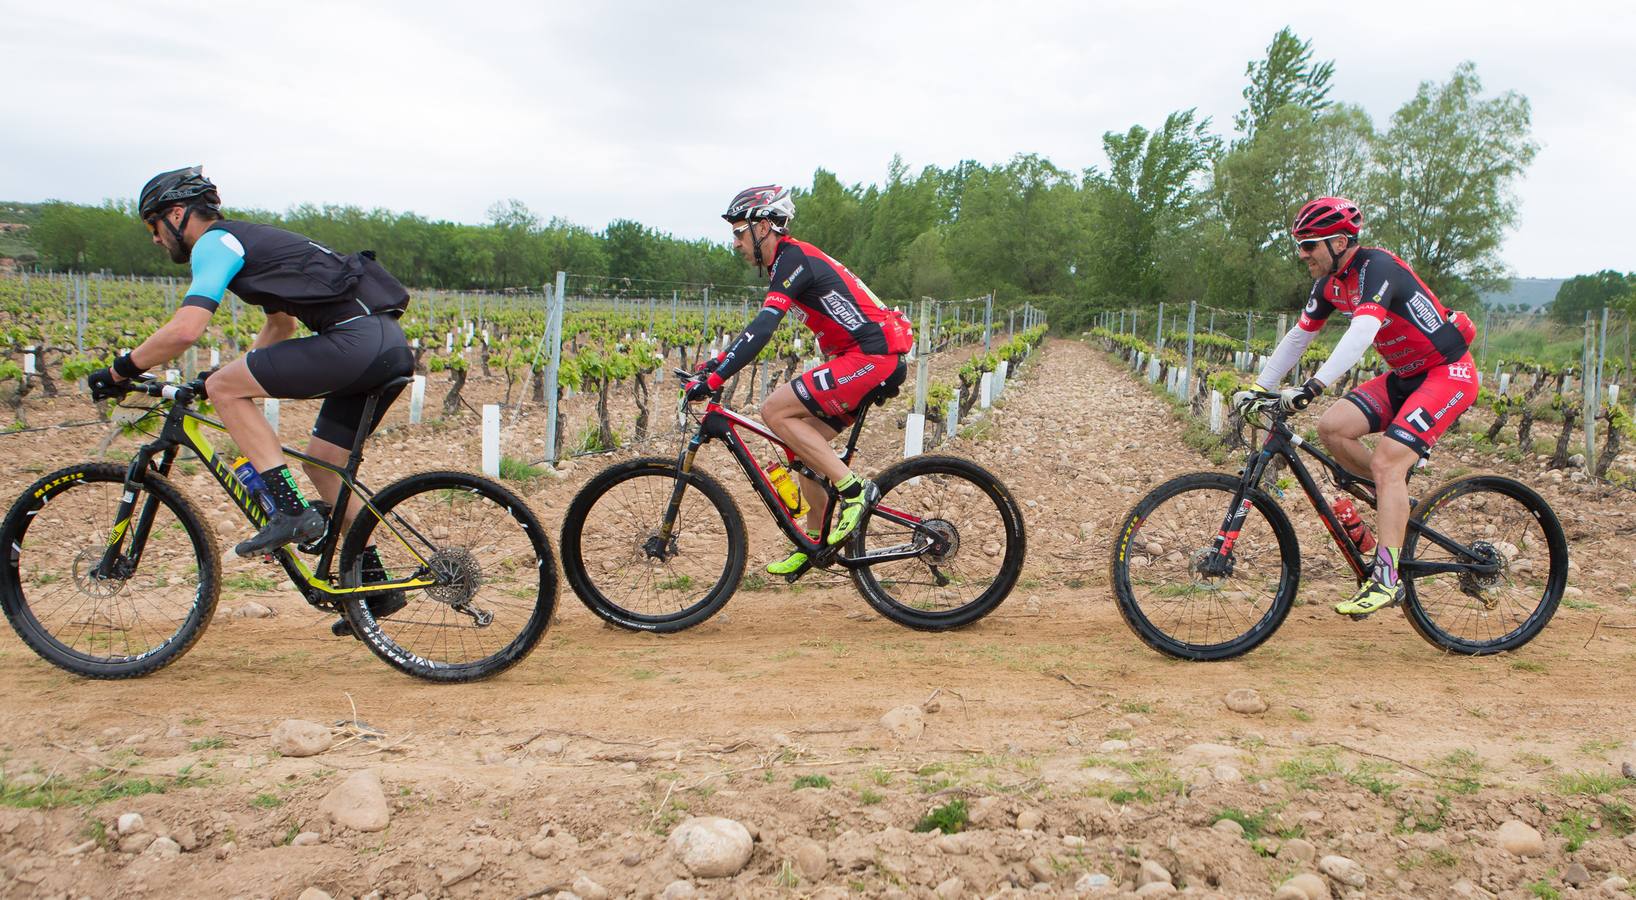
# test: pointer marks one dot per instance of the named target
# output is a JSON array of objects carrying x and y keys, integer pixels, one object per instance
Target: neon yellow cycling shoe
[
  {"x": 852, "y": 510},
  {"x": 790, "y": 563},
  {"x": 1371, "y": 598}
]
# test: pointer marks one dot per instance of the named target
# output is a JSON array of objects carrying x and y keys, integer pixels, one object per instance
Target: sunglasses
[
  {"x": 1311, "y": 245},
  {"x": 739, "y": 231}
]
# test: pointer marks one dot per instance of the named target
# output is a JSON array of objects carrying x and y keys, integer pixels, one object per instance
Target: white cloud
[{"x": 660, "y": 111}]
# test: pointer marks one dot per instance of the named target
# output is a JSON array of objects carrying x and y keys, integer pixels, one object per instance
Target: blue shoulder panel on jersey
[{"x": 217, "y": 257}]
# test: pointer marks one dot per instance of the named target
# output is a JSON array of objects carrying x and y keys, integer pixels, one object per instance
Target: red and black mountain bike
[
  {"x": 657, "y": 544},
  {"x": 1206, "y": 566}
]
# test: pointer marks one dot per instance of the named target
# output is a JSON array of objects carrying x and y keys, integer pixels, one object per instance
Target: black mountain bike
[
  {"x": 1483, "y": 564},
  {"x": 656, "y": 544},
  {"x": 114, "y": 573}
]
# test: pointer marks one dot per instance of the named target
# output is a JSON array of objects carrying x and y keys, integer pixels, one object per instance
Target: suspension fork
[
  {"x": 1233, "y": 523},
  {"x": 115, "y": 563},
  {"x": 684, "y": 466}
]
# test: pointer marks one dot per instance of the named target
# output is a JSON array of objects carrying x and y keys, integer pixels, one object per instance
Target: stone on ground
[
  {"x": 1343, "y": 870},
  {"x": 1246, "y": 700},
  {"x": 905, "y": 722},
  {"x": 1305, "y": 886},
  {"x": 712, "y": 847},
  {"x": 1519, "y": 839},
  {"x": 358, "y": 803},
  {"x": 297, "y": 737}
]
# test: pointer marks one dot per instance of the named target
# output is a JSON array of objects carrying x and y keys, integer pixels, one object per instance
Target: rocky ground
[{"x": 793, "y": 745}]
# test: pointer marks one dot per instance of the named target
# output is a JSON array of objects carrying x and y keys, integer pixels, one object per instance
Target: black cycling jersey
[{"x": 284, "y": 272}]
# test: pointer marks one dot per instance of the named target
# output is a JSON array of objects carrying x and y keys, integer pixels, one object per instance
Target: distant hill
[{"x": 1532, "y": 293}]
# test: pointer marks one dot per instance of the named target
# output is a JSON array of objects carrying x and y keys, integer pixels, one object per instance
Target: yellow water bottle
[{"x": 788, "y": 490}]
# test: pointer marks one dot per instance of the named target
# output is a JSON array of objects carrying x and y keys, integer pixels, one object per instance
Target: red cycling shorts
[
  {"x": 1416, "y": 411},
  {"x": 836, "y": 390}
]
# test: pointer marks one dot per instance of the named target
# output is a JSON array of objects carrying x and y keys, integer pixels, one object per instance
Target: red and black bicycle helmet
[{"x": 1327, "y": 217}]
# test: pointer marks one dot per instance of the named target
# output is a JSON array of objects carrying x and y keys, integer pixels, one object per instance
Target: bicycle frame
[
  {"x": 183, "y": 429},
  {"x": 719, "y": 422},
  {"x": 1283, "y": 442}
]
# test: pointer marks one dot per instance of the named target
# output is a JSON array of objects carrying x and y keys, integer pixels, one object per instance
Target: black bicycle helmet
[{"x": 180, "y": 186}]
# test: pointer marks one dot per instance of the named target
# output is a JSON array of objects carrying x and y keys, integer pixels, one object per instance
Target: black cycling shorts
[{"x": 342, "y": 365}]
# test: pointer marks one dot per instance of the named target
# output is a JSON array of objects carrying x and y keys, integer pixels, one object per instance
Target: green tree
[
  {"x": 1590, "y": 293},
  {"x": 1148, "y": 196},
  {"x": 1286, "y": 76},
  {"x": 1441, "y": 192}
]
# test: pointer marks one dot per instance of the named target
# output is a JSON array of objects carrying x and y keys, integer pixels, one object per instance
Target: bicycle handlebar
[{"x": 180, "y": 393}]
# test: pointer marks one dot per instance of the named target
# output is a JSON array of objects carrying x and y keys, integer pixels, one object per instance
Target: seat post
[{"x": 357, "y": 455}]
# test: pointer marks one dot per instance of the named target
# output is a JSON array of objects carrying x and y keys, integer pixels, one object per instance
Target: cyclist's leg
[
  {"x": 1442, "y": 394},
  {"x": 233, "y": 390},
  {"x": 833, "y": 393},
  {"x": 379, "y": 342},
  {"x": 1437, "y": 399},
  {"x": 1364, "y": 410},
  {"x": 809, "y": 437}
]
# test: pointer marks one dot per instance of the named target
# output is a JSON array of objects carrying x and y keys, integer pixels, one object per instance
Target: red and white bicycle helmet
[
  {"x": 767, "y": 201},
  {"x": 1327, "y": 217}
]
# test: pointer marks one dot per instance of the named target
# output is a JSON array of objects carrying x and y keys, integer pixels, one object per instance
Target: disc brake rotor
[
  {"x": 85, "y": 562},
  {"x": 1474, "y": 584}
]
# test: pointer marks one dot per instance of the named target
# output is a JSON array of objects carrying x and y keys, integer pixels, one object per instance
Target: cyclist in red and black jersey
[
  {"x": 862, "y": 337},
  {"x": 1431, "y": 382}
]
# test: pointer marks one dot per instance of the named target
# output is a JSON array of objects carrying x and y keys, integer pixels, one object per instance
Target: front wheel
[
  {"x": 969, "y": 530},
  {"x": 1498, "y": 522},
  {"x": 496, "y": 578},
  {"x": 133, "y": 621},
  {"x": 620, "y": 562},
  {"x": 1184, "y": 599}
]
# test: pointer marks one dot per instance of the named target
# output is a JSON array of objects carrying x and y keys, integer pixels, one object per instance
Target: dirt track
[{"x": 1076, "y": 750}]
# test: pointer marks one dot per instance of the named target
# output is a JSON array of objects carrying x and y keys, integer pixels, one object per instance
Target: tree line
[{"x": 1180, "y": 212}]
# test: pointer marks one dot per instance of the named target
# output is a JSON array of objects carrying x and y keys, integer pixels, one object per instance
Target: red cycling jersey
[
  {"x": 1415, "y": 331},
  {"x": 839, "y": 308}
]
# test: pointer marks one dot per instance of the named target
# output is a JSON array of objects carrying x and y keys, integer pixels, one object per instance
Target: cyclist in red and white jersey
[
  {"x": 863, "y": 339},
  {"x": 1432, "y": 380}
]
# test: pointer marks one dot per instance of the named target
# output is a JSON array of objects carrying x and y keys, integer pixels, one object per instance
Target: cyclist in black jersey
[{"x": 350, "y": 304}]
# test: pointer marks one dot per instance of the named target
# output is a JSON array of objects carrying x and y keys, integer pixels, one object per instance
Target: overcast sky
[{"x": 660, "y": 111}]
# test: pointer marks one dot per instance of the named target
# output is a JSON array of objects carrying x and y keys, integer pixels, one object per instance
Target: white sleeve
[
  {"x": 1352, "y": 345},
  {"x": 1285, "y": 356}
]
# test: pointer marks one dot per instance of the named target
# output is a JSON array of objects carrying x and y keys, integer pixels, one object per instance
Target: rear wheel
[
  {"x": 1178, "y": 595},
  {"x": 497, "y": 580},
  {"x": 622, "y": 569},
  {"x": 972, "y": 533},
  {"x": 141, "y": 618},
  {"x": 1496, "y": 521}
]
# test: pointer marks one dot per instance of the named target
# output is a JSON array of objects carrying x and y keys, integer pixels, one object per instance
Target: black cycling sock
[
  {"x": 286, "y": 494},
  {"x": 850, "y": 486}
]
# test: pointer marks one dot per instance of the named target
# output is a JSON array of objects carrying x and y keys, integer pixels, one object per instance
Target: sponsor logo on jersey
[
  {"x": 1458, "y": 396},
  {"x": 1391, "y": 342},
  {"x": 1460, "y": 371},
  {"x": 824, "y": 379},
  {"x": 1417, "y": 418},
  {"x": 801, "y": 390},
  {"x": 1406, "y": 436},
  {"x": 1424, "y": 313},
  {"x": 845, "y": 313},
  {"x": 798, "y": 313},
  {"x": 868, "y": 367},
  {"x": 793, "y": 275},
  {"x": 1312, "y": 306}
]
